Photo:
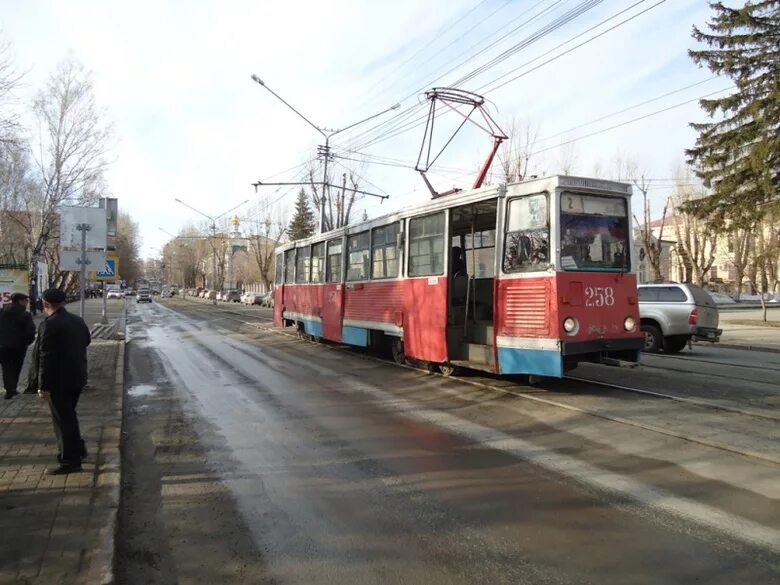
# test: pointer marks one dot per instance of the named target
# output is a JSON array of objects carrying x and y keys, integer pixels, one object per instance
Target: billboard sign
[
  {"x": 70, "y": 235},
  {"x": 13, "y": 281}
]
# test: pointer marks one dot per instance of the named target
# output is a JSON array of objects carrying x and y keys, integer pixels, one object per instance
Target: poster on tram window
[{"x": 13, "y": 280}]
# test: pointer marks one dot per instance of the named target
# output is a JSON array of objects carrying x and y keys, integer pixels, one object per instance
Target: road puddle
[{"x": 141, "y": 390}]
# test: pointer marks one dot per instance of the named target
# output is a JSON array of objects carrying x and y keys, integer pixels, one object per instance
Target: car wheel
[
  {"x": 675, "y": 343},
  {"x": 653, "y": 338}
]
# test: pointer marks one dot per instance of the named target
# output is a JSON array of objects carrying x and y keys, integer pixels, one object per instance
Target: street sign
[
  {"x": 72, "y": 217},
  {"x": 110, "y": 269},
  {"x": 71, "y": 260},
  {"x": 111, "y": 206}
]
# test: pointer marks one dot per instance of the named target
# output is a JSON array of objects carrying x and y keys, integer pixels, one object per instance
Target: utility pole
[
  {"x": 213, "y": 228},
  {"x": 83, "y": 228},
  {"x": 324, "y": 149}
]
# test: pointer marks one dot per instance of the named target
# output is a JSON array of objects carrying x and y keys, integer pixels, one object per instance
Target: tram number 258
[{"x": 599, "y": 296}]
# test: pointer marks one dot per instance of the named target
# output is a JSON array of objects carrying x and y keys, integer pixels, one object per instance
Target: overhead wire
[
  {"x": 627, "y": 122},
  {"x": 493, "y": 42},
  {"x": 582, "y": 44},
  {"x": 561, "y": 21},
  {"x": 433, "y": 38},
  {"x": 404, "y": 128},
  {"x": 628, "y": 109}
]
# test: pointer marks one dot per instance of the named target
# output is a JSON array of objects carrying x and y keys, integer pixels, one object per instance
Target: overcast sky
[{"x": 174, "y": 77}]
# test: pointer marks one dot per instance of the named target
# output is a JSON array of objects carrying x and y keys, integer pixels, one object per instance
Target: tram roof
[{"x": 525, "y": 187}]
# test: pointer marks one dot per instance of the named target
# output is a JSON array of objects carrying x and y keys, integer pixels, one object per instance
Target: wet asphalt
[{"x": 267, "y": 460}]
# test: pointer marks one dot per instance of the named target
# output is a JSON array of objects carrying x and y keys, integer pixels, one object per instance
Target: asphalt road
[{"x": 253, "y": 457}]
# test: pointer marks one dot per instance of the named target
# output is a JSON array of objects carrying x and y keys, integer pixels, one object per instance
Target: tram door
[{"x": 470, "y": 312}]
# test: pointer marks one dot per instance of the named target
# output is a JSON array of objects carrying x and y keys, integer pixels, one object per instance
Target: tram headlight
[
  {"x": 629, "y": 324},
  {"x": 570, "y": 325}
]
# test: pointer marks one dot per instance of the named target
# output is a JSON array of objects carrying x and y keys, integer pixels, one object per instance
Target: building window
[
  {"x": 426, "y": 245},
  {"x": 302, "y": 261},
  {"x": 358, "y": 249},
  {"x": 317, "y": 262},
  {"x": 289, "y": 266},
  {"x": 334, "y": 260},
  {"x": 384, "y": 251}
]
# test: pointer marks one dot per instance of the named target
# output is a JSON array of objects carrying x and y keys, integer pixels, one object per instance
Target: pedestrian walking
[
  {"x": 17, "y": 331},
  {"x": 62, "y": 374}
]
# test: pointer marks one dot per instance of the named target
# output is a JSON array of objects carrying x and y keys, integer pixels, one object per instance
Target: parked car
[
  {"x": 211, "y": 295},
  {"x": 671, "y": 314},
  {"x": 267, "y": 300},
  {"x": 231, "y": 296},
  {"x": 130, "y": 292},
  {"x": 115, "y": 293},
  {"x": 144, "y": 296}
]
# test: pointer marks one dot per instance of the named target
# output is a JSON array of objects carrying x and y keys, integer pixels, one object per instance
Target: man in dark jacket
[
  {"x": 17, "y": 331},
  {"x": 62, "y": 373}
]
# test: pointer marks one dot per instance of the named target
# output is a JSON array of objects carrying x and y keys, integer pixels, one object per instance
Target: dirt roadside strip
[{"x": 61, "y": 529}]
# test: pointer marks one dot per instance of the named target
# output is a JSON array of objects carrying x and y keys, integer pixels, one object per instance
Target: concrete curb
[
  {"x": 109, "y": 474},
  {"x": 741, "y": 347}
]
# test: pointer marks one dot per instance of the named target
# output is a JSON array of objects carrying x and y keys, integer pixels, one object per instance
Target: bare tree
[
  {"x": 741, "y": 242},
  {"x": 696, "y": 237},
  {"x": 567, "y": 158},
  {"x": 764, "y": 250},
  {"x": 340, "y": 199},
  {"x": 69, "y": 151},
  {"x": 9, "y": 81},
  {"x": 514, "y": 156},
  {"x": 629, "y": 169},
  {"x": 265, "y": 235}
]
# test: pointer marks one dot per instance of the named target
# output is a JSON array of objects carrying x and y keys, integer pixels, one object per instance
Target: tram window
[
  {"x": 317, "y": 262},
  {"x": 334, "y": 260},
  {"x": 289, "y": 266},
  {"x": 426, "y": 245},
  {"x": 279, "y": 268},
  {"x": 527, "y": 243},
  {"x": 358, "y": 248},
  {"x": 302, "y": 260},
  {"x": 594, "y": 233},
  {"x": 481, "y": 263},
  {"x": 384, "y": 251}
]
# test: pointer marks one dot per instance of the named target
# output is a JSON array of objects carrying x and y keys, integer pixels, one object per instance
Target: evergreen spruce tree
[
  {"x": 737, "y": 153},
  {"x": 302, "y": 223}
]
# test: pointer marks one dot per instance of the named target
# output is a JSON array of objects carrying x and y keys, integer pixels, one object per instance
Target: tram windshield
[{"x": 594, "y": 233}]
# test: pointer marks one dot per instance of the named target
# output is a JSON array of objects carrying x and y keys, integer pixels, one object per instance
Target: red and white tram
[{"x": 528, "y": 278}]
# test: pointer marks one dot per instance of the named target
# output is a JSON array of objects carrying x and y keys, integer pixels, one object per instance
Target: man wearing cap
[
  {"x": 62, "y": 373},
  {"x": 17, "y": 331}
]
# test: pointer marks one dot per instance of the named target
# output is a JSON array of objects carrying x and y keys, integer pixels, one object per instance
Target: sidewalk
[
  {"x": 60, "y": 529},
  {"x": 739, "y": 333}
]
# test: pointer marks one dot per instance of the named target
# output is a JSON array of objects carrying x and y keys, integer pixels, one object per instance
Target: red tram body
[{"x": 527, "y": 278}]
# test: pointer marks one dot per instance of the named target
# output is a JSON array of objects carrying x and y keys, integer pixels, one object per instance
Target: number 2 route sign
[{"x": 110, "y": 270}]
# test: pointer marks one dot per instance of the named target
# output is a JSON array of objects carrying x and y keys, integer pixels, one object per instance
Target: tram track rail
[
  {"x": 675, "y": 397},
  {"x": 493, "y": 385},
  {"x": 685, "y": 358},
  {"x": 695, "y": 373}
]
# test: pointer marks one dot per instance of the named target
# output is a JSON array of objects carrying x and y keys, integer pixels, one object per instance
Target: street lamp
[
  {"x": 213, "y": 228},
  {"x": 327, "y": 134}
]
